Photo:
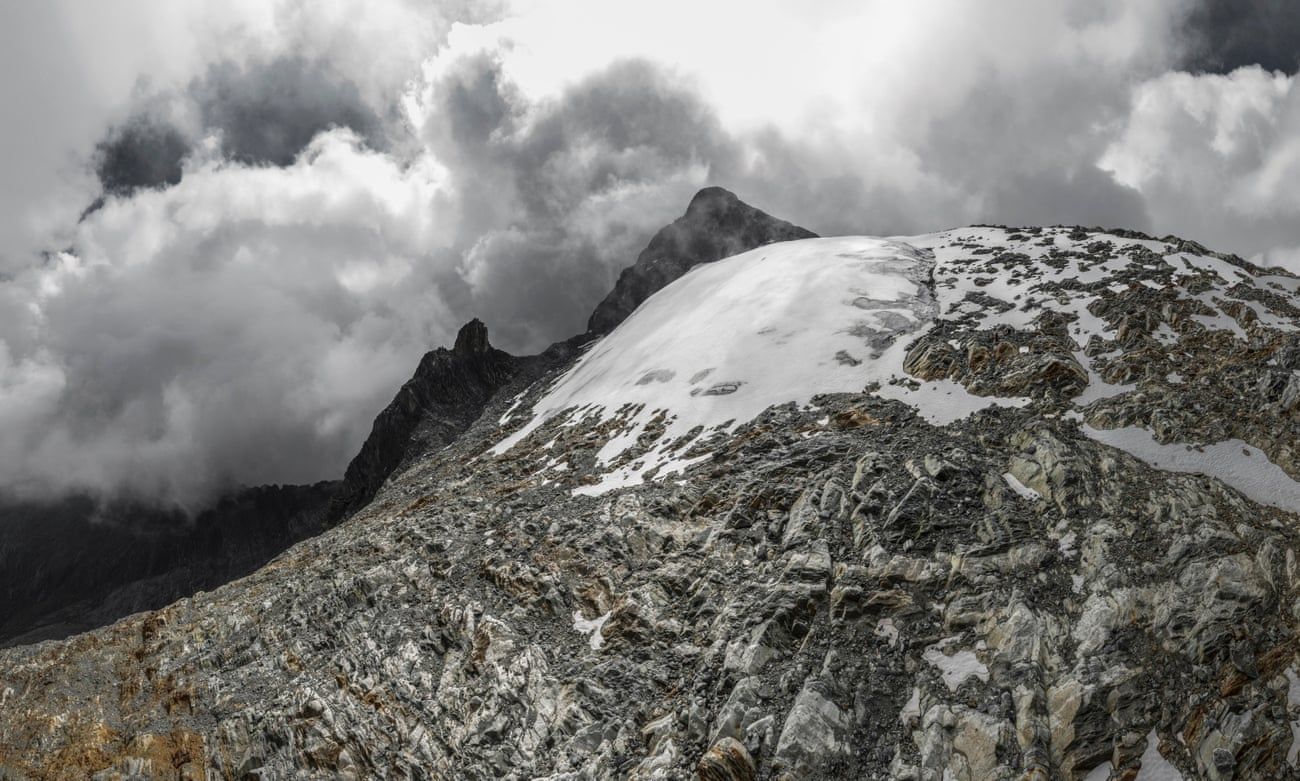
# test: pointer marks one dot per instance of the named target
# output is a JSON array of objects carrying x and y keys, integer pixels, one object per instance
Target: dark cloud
[
  {"x": 1224, "y": 35},
  {"x": 268, "y": 112},
  {"x": 228, "y": 315},
  {"x": 145, "y": 152},
  {"x": 556, "y": 198},
  {"x": 1084, "y": 196},
  {"x": 245, "y": 324},
  {"x": 265, "y": 113}
]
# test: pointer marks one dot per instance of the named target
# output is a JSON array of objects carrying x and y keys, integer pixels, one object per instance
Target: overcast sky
[{"x": 229, "y": 230}]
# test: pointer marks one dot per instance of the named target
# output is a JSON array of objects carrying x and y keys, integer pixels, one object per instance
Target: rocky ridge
[
  {"x": 449, "y": 390},
  {"x": 955, "y": 573}
]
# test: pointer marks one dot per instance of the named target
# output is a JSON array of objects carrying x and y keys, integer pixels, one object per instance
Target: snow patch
[
  {"x": 590, "y": 627},
  {"x": 1221, "y": 322},
  {"x": 1239, "y": 465},
  {"x": 1165, "y": 335},
  {"x": 1292, "y": 700},
  {"x": 1154, "y": 766},
  {"x": 885, "y": 628},
  {"x": 956, "y": 667},
  {"x": 942, "y": 402},
  {"x": 1097, "y": 388},
  {"x": 514, "y": 404},
  {"x": 911, "y": 709},
  {"x": 1066, "y": 545},
  {"x": 1227, "y": 273},
  {"x": 1020, "y": 488}
]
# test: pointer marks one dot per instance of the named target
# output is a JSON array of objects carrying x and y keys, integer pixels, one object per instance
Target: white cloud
[
  {"x": 1217, "y": 158},
  {"x": 241, "y": 326},
  {"x": 950, "y": 112},
  {"x": 73, "y": 68}
]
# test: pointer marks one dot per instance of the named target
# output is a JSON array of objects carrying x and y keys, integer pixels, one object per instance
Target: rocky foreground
[{"x": 1059, "y": 542}]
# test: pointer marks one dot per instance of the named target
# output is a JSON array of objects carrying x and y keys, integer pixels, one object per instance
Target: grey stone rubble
[{"x": 842, "y": 590}]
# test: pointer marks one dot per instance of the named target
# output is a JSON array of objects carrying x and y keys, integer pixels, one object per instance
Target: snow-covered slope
[
  {"x": 983, "y": 277},
  {"x": 777, "y": 324},
  {"x": 787, "y": 321}
]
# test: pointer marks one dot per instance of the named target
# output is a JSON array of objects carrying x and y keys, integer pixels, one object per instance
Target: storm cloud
[
  {"x": 143, "y": 152},
  {"x": 291, "y": 212},
  {"x": 1223, "y": 35},
  {"x": 260, "y": 113}
]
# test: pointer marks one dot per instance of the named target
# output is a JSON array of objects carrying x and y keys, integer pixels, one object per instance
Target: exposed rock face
[
  {"x": 817, "y": 624},
  {"x": 867, "y": 586},
  {"x": 448, "y": 392},
  {"x": 716, "y": 225}
]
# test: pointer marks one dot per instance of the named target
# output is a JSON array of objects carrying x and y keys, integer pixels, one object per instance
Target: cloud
[
  {"x": 259, "y": 113},
  {"x": 142, "y": 153},
  {"x": 269, "y": 112},
  {"x": 1216, "y": 158},
  {"x": 557, "y": 195},
  {"x": 300, "y": 199},
  {"x": 237, "y": 327},
  {"x": 1223, "y": 35},
  {"x": 245, "y": 323},
  {"x": 73, "y": 71}
]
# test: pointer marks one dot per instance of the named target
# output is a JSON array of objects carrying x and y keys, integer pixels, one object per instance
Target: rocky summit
[{"x": 990, "y": 503}]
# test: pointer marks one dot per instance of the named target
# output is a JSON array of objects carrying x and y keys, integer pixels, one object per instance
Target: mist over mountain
[{"x": 229, "y": 232}]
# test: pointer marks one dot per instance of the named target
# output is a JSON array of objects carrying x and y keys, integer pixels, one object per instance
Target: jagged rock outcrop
[
  {"x": 447, "y": 393},
  {"x": 964, "y": 571},
  {"x": 716, "y": 225}
]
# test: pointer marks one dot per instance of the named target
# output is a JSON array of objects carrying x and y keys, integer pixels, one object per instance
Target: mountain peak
[
  {"x": 472, "y": 338},
  {"x": 447, "y": 392},
  {"x": 711, "y": 198},
  {"x": 716, "y": 225}
]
